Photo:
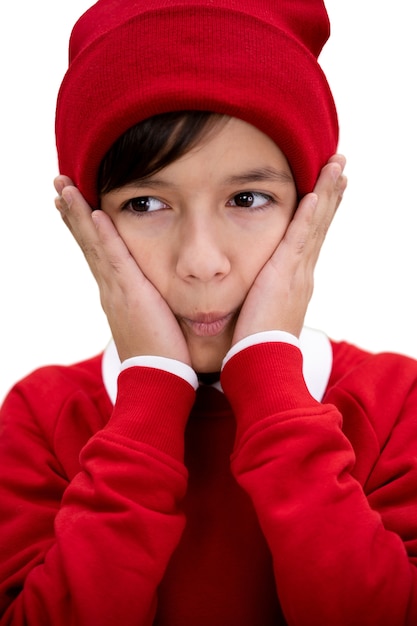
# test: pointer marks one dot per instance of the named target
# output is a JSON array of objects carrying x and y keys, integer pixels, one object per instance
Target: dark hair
[{"x": 151, "y": 145}]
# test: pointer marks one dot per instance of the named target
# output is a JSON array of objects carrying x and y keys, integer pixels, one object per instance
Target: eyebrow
[{"x": 260, "y": 174}]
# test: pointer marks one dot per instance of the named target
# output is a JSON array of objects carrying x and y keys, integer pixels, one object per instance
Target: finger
[
  {"x": 293, "y": 252},
  {"x": 115, "y": 253},
  {"x": 60, "y": 205},
  {"x": 338, "y": 158},
  {"x": 105, "y": 251},
  {"x": 301, "y": 227},
  {"x": 329, "y": 190},
  {"x": 332, "y": 182},
  {"x": 60, "y": 182},
  {"x": 77, "y": 215}
]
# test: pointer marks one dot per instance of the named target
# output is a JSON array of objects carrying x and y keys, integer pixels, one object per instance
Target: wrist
[{"x": 263, "y": 380}]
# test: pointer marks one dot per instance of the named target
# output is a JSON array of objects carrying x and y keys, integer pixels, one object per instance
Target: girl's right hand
[{"x": 140, "y": 320}]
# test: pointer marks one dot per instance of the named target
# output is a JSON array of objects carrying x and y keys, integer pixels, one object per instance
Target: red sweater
[{"x": 104, "y": 521}]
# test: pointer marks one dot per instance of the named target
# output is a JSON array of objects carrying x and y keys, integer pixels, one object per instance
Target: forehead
[
  {"x": 236, "y": 147},
  {"x": 196, "y": 143}
]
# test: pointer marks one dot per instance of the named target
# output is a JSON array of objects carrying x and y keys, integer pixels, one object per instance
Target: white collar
[{"x": 317, "y": 363}]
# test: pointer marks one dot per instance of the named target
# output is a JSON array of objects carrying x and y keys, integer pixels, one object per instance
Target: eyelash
[
  {"x": 253, "y": 194},
  {"x": 128, "y": 206},
  {"x": 250, "y": 195}
]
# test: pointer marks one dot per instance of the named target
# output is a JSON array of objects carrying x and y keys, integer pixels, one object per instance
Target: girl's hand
[
  {"x": 140, "y": 320},
  {"x": 279, "y": 297}
]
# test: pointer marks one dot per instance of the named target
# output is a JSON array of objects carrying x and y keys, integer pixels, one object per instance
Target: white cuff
[
  {"x": 263, "y": 337},
  {"x": 178, "y": 368}
]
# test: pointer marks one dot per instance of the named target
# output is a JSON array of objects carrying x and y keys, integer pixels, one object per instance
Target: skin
[{"x": 222, "y": 251}]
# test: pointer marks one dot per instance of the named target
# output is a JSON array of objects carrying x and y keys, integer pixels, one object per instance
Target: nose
[{"x": 202, "y": 253}]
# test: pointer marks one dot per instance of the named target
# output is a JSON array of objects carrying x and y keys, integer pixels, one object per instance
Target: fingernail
[
  {"x": 67, "y": 197},
  {"x": 59, "y": 186},
  {"x": 336, "y": 172}
]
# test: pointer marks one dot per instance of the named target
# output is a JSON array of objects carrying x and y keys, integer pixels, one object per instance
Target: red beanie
[{"x": 251, "y": 59}]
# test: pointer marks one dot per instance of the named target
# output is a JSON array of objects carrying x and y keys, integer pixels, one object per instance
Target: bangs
[{"x": 151, "y": 145}]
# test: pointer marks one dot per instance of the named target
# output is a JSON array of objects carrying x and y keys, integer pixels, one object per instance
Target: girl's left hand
[{"x": 279, "y": 297}]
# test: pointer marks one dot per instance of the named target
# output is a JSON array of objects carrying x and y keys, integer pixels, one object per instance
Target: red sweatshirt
[{"x": 279, "y": 509}]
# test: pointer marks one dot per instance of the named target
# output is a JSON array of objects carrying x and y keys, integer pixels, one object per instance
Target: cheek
[
  {"x": 258, "y": 249},
  {"x": 148, "y": 254},
  {"x": 255, "y": 257}
]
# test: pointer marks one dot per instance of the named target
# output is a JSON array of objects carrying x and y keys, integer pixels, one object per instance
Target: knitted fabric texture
[{"x": 252, "y": 59}]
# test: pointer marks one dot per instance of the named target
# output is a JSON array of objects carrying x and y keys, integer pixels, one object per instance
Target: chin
[
  {"x": 206, "y": 367},
  {"x": 207, "y": 361},
  {"x": 207, "y": 354}
]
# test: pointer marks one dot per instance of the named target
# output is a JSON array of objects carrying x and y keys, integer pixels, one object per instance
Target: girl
[{"x": 218, "y": 464}]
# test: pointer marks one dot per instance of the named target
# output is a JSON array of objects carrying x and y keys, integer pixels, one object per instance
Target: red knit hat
[{"x": 251, "y": 59}]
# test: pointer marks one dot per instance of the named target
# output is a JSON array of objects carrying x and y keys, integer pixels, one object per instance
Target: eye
[
  {"x": 144, "y": 204},
  {"x": 250, "y": 200}
]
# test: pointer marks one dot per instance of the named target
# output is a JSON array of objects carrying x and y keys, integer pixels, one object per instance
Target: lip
[{"x": 208, "y": 324}]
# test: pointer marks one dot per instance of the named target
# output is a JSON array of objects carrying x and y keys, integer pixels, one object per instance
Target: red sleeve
[
  {"x": 92, "y": 550},
  {"x": 335, "y": 561}
]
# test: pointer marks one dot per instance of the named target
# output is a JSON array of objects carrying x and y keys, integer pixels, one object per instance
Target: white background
[{"x": 365, "y": 280}]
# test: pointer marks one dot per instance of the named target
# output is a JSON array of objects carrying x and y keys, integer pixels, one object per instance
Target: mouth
[{"x": 208, "y": 324}]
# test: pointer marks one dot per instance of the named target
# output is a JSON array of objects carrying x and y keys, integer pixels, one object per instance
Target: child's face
[{"x": 202, "y": 228}]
